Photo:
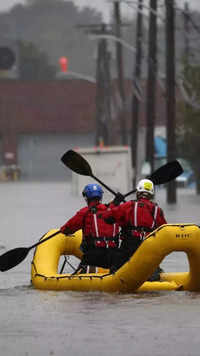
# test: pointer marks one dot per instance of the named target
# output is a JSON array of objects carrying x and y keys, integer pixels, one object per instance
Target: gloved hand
[
  {"x": 110, "y": 220},
  {"x": 118, "y": 199}
]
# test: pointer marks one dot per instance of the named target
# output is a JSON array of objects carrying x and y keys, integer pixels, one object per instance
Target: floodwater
[{"x": 82, "y": 324}]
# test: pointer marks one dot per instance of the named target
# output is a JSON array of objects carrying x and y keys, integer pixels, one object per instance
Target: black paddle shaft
[{"x": 13, "y": 257}]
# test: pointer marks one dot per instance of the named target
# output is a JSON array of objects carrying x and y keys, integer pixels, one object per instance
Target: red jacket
[
  {"x": 88, "y": 220},
  {"x": 135, "y": 214}
]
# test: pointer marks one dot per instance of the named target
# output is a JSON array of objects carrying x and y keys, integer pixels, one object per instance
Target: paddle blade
[
  {"x": 12, "y": 258},
  {"x": 166, "y": 173},
  {"x": 76, "y": 163}
]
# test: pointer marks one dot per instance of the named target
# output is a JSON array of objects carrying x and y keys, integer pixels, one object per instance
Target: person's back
[
  {"x": 137, "y": 218},
  {"x": 98, "y": 236}
]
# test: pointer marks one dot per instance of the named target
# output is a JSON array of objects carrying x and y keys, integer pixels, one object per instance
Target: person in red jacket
[
  {"x": 100, "y": 240},
  {"x": 137, "y": 218}
]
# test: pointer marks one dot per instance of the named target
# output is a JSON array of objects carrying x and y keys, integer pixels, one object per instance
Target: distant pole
[
  {"x": 170, "y": 93},
  {"x": 186, "y": 33},
  {"x": 135, "y": 101},
  {"x": 103, "y": 95},
  {"x": 107, "y": 95},
  {"x": 99, "y": 96},
  {"x": 151, "y": 85},
  {"x": 119, "y": 55},
  {"x": 104, "y": 133}
]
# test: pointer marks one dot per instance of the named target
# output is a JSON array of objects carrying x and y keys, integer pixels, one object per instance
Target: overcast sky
[{"x": 102, "y": 5}]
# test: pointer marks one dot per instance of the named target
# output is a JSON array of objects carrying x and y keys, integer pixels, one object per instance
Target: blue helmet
[{"x": 93, "y": 191}]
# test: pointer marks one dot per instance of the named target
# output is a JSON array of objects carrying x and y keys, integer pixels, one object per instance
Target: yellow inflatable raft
[{"x": 132, "y": 275}]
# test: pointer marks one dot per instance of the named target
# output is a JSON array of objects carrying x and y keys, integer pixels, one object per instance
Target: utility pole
[
  {"x": 186, "y": 33},
  {"x": 103, "y": 93},
  {"x": 136, "y": 81},
  {"x": 119, "y": 56},
  {"x": 104, "y": 133},
  {"x": 170, "y": 93},
  {"x": 151, "y": 84}
]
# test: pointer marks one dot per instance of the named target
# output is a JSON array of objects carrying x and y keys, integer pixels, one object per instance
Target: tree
[
  {"x": 51, "y": 25},
  {"x": 188, "y": 130},
  {"x": 7, "y": 58},
  {"x": 33, "y": 63}
]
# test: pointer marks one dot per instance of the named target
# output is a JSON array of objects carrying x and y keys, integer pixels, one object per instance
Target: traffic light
[
  {"x": 7, "y": 58},
  {"x": 63, "y": 64}
]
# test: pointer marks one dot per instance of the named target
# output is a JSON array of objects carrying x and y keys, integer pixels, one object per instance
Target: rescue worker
[
  {"x": 99, "y": 238},
  {"x": 137, "y": 218}
]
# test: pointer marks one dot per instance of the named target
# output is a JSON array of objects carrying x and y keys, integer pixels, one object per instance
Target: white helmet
[{"x": 145, "y": 185}]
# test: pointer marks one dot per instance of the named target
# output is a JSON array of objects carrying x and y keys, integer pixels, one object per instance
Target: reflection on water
[
  {"x": 44, "y": 323},
  {"x": 58, "y": 323}
]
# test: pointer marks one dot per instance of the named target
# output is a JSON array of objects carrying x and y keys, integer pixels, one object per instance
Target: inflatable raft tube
[{"x": 132, "y": 276}]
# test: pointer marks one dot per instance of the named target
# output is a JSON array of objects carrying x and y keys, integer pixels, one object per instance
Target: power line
[{"x": 187, "y": 13}]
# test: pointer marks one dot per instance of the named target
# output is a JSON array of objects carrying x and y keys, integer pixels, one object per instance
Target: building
[{"x": 39, "y": 121}]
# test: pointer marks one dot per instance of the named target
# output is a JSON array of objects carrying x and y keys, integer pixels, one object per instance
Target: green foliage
[
  {"x": 188, "y": 131},
  {"x": 33, "y": 64}
]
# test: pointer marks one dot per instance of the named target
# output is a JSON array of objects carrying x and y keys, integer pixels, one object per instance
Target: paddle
[
  {"x": 163, "y": 174},
  {"x": 13, "y": 257},
  {"x": 78, "y": 164}
]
